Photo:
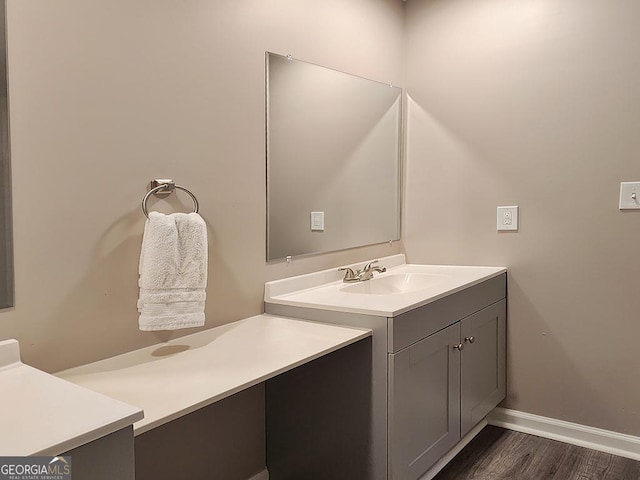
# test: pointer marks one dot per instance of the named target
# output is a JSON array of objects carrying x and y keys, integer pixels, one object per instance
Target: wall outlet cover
[{"x": 507, "y": 219}]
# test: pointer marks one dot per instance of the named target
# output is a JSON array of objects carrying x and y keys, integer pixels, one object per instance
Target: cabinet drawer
[{"x": 421, "y": 322}]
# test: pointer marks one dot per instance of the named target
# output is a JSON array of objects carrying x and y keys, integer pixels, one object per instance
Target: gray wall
[
  {"x": 106, "y": 95},
  {"x": 535, "y": 103}
]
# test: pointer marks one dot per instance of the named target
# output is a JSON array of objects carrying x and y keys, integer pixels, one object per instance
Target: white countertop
[
  {"x": 324, "y": 290},
  {"x": 44, "y": 415},
  {"x": 175, "y": 378}
]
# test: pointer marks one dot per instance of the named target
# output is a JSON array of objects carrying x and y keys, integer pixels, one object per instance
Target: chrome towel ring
[{"x": 161, "y": 186}]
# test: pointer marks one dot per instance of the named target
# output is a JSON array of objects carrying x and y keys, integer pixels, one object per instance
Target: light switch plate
[
  {"x": 630, "y": 196},
  {"x": 317, "y": 221},
  {"x": 507, "y": 218}
]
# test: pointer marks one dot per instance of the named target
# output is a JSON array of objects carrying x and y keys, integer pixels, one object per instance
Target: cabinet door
[
  {"x": 483, "y": 372},
  {"x": 424, "y": 403}
]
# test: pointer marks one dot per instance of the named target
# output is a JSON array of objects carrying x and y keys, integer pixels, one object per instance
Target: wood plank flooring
[{"x": 499, "y": 454}]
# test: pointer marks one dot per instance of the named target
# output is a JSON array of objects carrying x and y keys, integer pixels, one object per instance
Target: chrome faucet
[
  {"x": 361, "y": 275},
  {"x": 349, "y": 275},
  {"x": 367, "y": 271}
]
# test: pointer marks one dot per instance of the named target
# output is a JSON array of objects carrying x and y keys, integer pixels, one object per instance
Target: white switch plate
[
  {"x": 317, "y": 221},
  {"x": 507, "y": 218},
  {"x": 630, "y": 196}
]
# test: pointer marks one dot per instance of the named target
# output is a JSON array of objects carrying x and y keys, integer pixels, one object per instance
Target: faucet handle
[
  {"x": 349, "y": 273},
  {"x": 369, "y": 265}
]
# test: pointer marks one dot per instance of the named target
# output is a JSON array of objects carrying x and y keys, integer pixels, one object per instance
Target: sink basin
[
  {"x": 401, "y": 288},
  {"x": 394, "y": 284}
]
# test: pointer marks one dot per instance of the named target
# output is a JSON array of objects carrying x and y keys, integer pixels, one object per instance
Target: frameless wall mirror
[
  {"x": 6, "y": 251},
  {"x": 333, "y": 159}
]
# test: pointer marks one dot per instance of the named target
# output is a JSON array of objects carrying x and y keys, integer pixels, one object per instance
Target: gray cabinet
[
  {"x": 424, "y": 403},
  {"x": 441, "y": 387},
  {"x": 107, "y": 458}
]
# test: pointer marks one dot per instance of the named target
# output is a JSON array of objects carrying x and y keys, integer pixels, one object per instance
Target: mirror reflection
[
  {"x": 6, "y": 252},
  {"x": 333, "y": 159}
]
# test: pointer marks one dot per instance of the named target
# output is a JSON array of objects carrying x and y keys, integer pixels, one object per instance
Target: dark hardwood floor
[{"x": 499, "y": 454}]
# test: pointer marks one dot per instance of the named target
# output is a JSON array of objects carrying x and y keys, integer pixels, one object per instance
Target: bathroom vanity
[
  {"x": 45, "y": 416},
  {"x": 178, "y": 382},
  {"x": 438, "y": 357}
]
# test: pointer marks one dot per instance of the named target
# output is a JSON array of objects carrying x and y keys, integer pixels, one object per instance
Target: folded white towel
[{"x": 173, "y": 272}]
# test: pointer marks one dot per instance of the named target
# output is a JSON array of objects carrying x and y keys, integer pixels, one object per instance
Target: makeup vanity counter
[
  {"x": 86, "y": 412},
  {"x": 174, "y": 378}
]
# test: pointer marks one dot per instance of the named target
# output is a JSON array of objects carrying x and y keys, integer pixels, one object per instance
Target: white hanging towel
[{"x": 173, "y": 272}]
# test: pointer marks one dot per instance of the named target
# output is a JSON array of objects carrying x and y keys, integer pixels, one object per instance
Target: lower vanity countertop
[
  {"x": 44, "y": 415},
  {"x": 174, "y": 378}
]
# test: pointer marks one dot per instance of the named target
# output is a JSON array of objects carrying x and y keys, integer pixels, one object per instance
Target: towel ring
[{"x": 166, "y": 186}]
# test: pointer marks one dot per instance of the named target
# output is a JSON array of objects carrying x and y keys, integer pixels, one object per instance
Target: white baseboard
[
  {"x": 589, "y": 437},
  {"x": 263, "y": 475},
  {"x": 440, "y": 464}
]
